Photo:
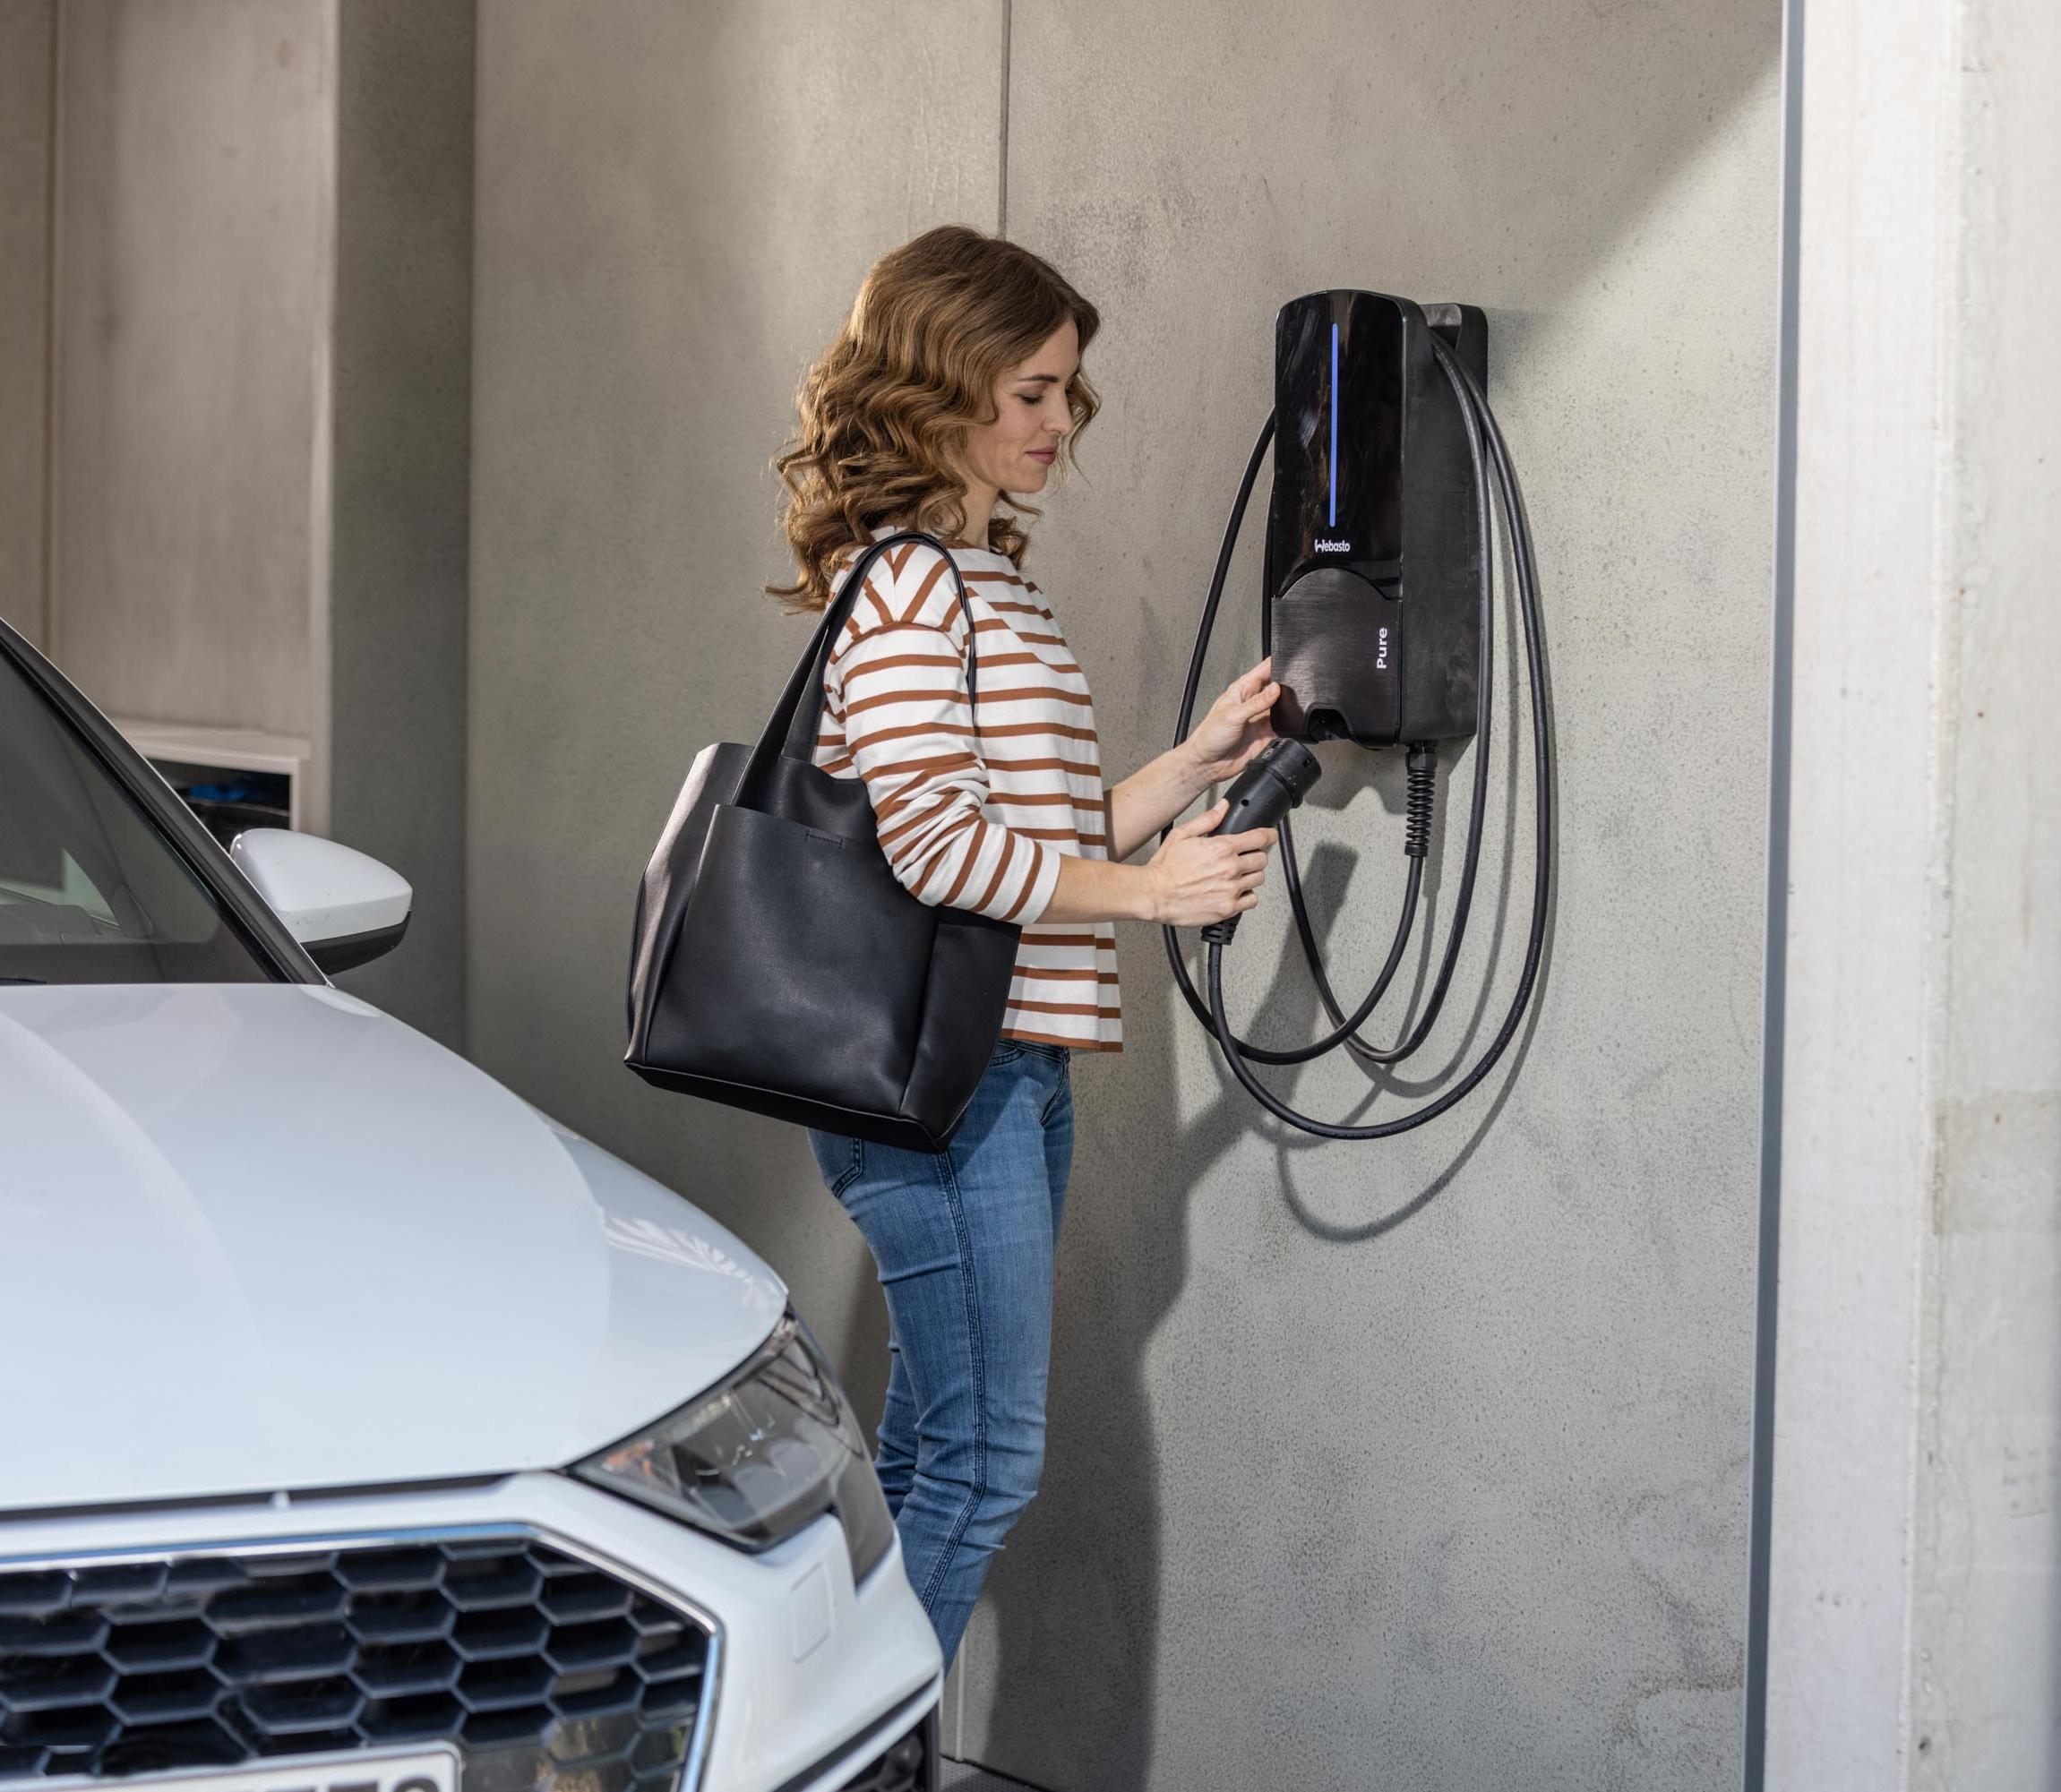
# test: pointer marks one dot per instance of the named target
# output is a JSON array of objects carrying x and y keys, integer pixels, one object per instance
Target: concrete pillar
[
  {"x": 27, "y": 70},
  {"x": 197, "y": 220},
  {"x": 1915, "y": 1607},
  {"x": 263, "y": 408},
  {"x": 390, "y": 689}
]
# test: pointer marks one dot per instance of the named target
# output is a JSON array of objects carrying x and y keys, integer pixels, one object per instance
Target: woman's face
[{"x": 1015, "y": 451}]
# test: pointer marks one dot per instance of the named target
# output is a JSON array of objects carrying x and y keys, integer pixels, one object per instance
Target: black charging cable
[
  {"x": 1399, "y": 945},
  {"x": 1482, "y": 432}
]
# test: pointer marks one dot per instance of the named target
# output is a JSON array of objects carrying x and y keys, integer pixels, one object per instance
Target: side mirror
[{"x": 342, "y": 905}]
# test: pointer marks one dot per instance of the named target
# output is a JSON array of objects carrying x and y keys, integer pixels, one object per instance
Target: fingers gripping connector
[
  {"x": 1422, "y": 792},
  {"x": 1276, "y": 780}
]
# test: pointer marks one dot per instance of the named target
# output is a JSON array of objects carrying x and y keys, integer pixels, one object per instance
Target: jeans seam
[
  {"x": 1059, "y": 1095},
  {"x": 934, "y": 1583},
  {"x": 855, "y": 1168}
]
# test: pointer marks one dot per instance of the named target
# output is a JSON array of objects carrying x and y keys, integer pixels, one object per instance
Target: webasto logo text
[{"x": 1324, "y": 546}]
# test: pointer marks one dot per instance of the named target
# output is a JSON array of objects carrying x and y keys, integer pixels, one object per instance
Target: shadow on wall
[{"x": 1102, "y": 1480}]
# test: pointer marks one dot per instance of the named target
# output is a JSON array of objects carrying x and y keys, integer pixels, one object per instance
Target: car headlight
[{"x": 757, "y": 1458}]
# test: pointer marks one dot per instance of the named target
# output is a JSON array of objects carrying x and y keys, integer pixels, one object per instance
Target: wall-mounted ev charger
[{"x": 1378, "y": 605}]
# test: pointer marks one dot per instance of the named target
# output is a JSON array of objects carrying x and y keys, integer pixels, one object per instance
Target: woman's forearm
[
  {"x": 1152, "y": 798},
  {"x": 1094, "y": 889},
  {"x": 1200, "y": 876}
]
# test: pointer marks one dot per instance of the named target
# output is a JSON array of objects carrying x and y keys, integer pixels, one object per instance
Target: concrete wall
[
  {"x": 1915, "y": 1627},
  {"x": 1483, "y": 1471},
  {"x": 674, "y": 207},
  {"x": 390, "y": 687},
  {"x": 196, "y": 223},
  {"x": 27, "y": 70},
  {"x": 1450, "y": 1502}
]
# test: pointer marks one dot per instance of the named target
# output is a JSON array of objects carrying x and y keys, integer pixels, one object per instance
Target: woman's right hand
[{"x": 1195, "y": 879}]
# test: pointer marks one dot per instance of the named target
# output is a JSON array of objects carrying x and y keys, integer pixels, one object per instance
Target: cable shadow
[
  {"x": 1320, "y": 1226},
  {"x": 1118, "y": 1283}
]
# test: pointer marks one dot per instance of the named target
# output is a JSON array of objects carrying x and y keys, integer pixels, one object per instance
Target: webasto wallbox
[{"x": 1373, "y": 553}]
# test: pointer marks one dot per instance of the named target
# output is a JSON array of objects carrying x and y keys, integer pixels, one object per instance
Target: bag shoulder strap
[{"x": 791, "y": 728}]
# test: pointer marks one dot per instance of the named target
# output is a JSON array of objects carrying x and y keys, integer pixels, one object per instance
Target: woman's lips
[{"x": 1044, "y": 457}]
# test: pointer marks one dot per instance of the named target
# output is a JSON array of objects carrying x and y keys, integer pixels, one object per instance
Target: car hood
[{"x": 266, "y": 1236}]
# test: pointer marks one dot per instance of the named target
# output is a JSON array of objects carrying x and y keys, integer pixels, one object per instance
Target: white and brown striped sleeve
[{"x": 897, "y": 684}]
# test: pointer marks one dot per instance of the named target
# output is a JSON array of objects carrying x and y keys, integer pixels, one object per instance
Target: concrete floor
[{"x": 960, "y": 1776}]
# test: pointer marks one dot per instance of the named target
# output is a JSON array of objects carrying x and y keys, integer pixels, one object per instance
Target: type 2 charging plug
[{"x": 1276, "y": 779}]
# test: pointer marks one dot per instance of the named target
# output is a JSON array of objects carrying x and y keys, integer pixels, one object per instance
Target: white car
[{"x": 362, "y": 1430}]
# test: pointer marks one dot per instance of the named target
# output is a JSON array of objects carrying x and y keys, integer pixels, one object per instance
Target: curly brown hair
[{"x": 937, "y": 324}]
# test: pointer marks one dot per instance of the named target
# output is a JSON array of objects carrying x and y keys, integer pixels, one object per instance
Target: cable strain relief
[
  {"x": 1219, "y": 932},
  {"x": 1424, "y": 765}
]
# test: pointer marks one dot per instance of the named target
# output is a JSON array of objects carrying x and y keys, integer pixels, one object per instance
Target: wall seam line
[
  {"x": 1774, "y": 988},
  {"x": 53, "y": 336},
  {"x": 1002, "y": 143},
  {"x": 318, "y": 816}
]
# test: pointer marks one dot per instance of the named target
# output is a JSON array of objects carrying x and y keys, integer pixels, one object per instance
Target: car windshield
[{"x": 90, "y": 892}]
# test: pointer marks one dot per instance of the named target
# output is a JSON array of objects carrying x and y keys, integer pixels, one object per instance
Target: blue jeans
[{"x": 964, "y": 1244}]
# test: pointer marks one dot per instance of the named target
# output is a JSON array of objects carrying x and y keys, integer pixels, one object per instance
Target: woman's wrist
[
  {"x": 1145, "y": 905},
  {"x": 1099, "y": 889},
  {"x": 1193, "y": 774}
]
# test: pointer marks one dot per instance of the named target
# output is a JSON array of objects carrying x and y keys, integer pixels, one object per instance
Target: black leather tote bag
[{"x": 778, "y": 965}]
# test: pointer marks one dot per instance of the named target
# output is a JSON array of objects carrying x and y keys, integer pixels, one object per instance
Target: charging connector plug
[{"x": 1279, "y": 776}]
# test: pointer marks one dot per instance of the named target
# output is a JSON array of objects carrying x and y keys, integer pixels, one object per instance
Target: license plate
[{"x": 422, "y": 1770}]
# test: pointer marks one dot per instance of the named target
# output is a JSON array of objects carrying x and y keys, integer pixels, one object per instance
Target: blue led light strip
[{"x": 1334, "y": 426}]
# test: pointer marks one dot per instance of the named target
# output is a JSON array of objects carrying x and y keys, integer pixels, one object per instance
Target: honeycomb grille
[{"x": 547, "y": 1673}]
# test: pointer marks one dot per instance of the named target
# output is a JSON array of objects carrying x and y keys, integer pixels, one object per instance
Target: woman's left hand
[{"x": 1238, "y": 723}]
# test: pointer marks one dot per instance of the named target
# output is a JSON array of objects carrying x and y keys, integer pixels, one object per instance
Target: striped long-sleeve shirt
[{"x": 980, "y": 822}]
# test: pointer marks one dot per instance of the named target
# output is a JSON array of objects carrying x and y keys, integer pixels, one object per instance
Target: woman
[{"x": 953, "y": 390}]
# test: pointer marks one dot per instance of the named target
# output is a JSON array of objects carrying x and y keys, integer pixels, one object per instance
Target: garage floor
[{"x": 960, "y": 1776}]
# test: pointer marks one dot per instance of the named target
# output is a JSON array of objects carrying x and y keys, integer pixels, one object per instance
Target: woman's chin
[{"x": 1033, "y": 479}]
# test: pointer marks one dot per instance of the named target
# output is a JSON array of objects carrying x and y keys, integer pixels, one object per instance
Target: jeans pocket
[{"x": 842, "y": 1160}]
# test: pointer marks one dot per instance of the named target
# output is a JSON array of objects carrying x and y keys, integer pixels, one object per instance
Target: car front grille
[{"x": 549, "y": 1674}]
